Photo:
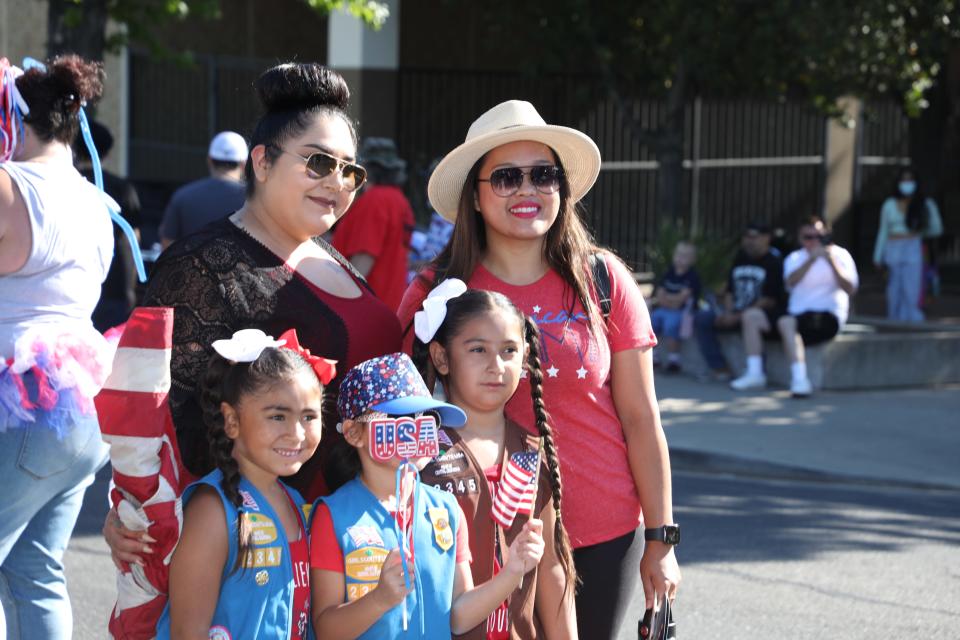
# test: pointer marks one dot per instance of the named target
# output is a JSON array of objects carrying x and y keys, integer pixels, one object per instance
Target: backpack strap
[{"x": 601, "y": 283}]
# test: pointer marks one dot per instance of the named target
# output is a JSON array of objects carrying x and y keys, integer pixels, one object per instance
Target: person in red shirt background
[{"x": 376, "y": 239}]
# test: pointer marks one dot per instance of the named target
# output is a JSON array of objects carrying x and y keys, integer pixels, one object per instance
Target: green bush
[{"x": 714, "y": 255}]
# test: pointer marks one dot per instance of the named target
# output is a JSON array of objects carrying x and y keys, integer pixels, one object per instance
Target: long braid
[
  {"x": 221, "y": 448},
  {"x": 560, "y": 539}
]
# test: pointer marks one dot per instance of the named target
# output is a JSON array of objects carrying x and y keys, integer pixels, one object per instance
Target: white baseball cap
[{"x": 228, "y": 146}]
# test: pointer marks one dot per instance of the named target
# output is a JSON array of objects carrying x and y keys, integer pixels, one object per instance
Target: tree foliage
[
  {"x": 80, "y": 25},
  {"x": 812, "y": 49}
]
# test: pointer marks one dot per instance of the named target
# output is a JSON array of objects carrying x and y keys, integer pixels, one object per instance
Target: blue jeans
[
  {"x": 707, "y": 339},
  {"x": 904, "y": 259},
  {"x": 666, "y": 322},
  {"x": 44, "y": 479}
]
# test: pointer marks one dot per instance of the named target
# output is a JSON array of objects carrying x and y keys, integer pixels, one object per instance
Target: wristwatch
[{"x": 667, "y": 534}]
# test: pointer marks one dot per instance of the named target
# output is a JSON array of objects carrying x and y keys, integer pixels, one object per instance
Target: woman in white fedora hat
[{"x": 511, "y": 190}]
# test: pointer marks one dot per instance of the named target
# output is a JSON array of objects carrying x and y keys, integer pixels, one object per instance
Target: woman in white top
[
  {"x": 56, "y": 243},
  {"x": 906, "y": 218}
]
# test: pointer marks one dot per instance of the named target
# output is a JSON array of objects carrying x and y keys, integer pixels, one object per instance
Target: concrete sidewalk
[{"x": 907, "y": 438}]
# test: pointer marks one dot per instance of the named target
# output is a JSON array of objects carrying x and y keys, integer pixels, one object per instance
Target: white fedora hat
[{"x": 509, "y": 122}]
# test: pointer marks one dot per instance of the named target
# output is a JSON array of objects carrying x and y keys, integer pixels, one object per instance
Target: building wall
[{"x": 23, "y": 32}]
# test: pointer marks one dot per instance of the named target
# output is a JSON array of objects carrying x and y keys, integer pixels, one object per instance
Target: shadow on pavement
[{"x": 780, "y": 521}]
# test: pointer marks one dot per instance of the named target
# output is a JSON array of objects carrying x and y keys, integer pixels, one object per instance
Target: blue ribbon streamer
[{"x": 112, "y": 207}]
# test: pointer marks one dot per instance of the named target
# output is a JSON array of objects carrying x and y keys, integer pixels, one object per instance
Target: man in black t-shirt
[{"x": 754, "y": 300}]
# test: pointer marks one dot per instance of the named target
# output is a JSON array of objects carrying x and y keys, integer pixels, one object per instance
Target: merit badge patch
[
  {"x": 262, "y": 529},
  {"x": 442, "y": 532},
  {"x": 363, "y": 568},
  {"x": 248, "y": 500},
  {"x": 264, "y": 557},
  {"x": 219, "y": 633},
  {"x": 365, "y": 535},
  {"x": 262, "y": 578}
]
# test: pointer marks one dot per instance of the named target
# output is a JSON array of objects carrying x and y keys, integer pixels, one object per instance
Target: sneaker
[
  {"x": 749, "y": 381},
  {"x": 801, "y": 388}
]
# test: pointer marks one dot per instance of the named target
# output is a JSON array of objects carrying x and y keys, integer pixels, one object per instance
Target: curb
[{"x": 718, "y": 463}]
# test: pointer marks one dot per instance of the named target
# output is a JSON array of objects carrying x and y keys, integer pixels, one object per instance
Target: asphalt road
[
  {"x": 794, "y": 560},
  {"x": 760, "y": 558}
]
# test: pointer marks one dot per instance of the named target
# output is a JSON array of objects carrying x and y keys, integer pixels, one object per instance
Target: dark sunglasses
[
  {"x": 320, "y": 165},
  {"x": 812, "y": 236},
  {"x": 507, "y": 181}
]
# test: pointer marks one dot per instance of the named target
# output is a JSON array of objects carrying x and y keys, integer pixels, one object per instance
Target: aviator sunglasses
[
  {"x": 320, "y": 165},
  {"x": 507, "y": 181}
]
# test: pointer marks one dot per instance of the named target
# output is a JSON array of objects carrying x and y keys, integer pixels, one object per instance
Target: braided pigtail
[
  {"x": 560, "y": 540},
  {"x": 221, "y": 447}
]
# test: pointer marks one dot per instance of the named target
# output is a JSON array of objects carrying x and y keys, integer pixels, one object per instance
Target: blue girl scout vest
[
  {"x": 367, "y": 532},
  {"x": 255, "y": 601}
]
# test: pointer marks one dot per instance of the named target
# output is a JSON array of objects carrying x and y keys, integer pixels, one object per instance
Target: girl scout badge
[{"x": 389, "y": 394}]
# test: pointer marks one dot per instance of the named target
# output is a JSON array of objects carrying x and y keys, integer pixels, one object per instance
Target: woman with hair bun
[
  {"x": 56, "y": 243},
  {"x": 266, "y": 267}
]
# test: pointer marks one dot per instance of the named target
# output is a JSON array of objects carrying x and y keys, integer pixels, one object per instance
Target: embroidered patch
[
  {"x": 219, "y": 633},
  {"x": 364, "y": 564},
  {"x": 248, "y": 500},
  {"x": 307, "y": 510},
  {"x": 264, "y": 557},
  {"x": 262, "y": 529},
  {"x": 365, "y": 535},
  {"x": 262, "y": 578},
  {"x": 458, "y": 487},
  {"x": 442, "y": 532}
]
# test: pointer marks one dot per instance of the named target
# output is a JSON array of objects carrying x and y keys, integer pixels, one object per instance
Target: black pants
[{"x": 610, "y": 575}]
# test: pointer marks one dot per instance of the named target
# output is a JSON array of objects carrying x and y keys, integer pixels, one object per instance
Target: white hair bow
[
  {"x": 246, "y": 345},
  {"x": 426, "y": 322}
]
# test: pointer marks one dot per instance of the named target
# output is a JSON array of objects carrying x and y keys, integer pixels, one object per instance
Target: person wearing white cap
[
  {"x": 511, "y": 190},
  {"x": 197, "y": 204}
]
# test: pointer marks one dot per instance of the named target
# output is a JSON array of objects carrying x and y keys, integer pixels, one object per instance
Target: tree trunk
[
  {"x": 77, "y": 29},
  {"x": 669, "y": 149}
]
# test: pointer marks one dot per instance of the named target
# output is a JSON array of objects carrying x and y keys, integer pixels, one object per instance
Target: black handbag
[{"x": 659, "y": 624}]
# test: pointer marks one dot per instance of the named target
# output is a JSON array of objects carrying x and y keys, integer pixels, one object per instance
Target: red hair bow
[{"x": 325, "y": 369}]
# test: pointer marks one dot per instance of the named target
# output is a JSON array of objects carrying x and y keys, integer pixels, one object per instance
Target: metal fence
[{"x": 742, "y": 159}]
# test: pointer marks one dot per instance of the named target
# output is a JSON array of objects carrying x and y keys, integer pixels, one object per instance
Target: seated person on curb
[
  {"x": 820, "y": 277},
  {"x": 753, "y": 302},
  {"x": 676, "y": 295},
  {"x": 754, "y": 287}
]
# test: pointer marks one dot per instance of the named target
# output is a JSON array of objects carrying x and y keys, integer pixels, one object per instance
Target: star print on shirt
[
  {"x": 553, "y": 371},
  {"x": 523, "y": 374},
  {"x": 536, "y": 308},
  {"x": 581, "y": 373}
]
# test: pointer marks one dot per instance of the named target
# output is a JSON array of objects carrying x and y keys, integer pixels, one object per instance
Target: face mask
[{"x": 907, "y": 187}]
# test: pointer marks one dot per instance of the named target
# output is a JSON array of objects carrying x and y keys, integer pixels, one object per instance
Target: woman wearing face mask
[
  {"x": 906, "y": 218},
  {"x": 265, "y": 266}
]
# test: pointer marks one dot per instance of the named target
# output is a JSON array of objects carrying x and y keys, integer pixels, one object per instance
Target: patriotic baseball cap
[{"x": 392, "y": 385}]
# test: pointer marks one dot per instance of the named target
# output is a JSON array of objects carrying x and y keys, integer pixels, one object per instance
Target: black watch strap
[{"x": 667, "y": 534}]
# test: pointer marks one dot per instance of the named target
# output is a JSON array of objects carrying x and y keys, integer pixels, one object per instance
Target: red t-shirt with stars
[{"x": 600, "y": 500}]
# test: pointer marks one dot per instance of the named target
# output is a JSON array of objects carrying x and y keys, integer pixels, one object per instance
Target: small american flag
[{"x": 517, "y": 489}]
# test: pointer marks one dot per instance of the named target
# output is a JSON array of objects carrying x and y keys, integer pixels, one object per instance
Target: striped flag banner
[
  {"x": 148, "y": 476},
  {"x": 517, "y": 490}
]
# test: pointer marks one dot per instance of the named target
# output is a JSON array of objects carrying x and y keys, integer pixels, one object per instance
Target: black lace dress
[{"x": 220, "y": 280}]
